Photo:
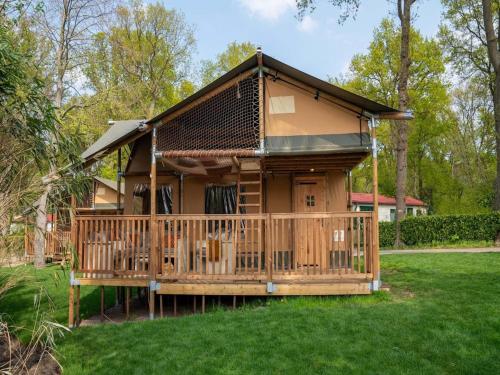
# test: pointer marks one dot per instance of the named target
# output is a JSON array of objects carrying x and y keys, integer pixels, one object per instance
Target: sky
[{"x": 317, "y": 45}]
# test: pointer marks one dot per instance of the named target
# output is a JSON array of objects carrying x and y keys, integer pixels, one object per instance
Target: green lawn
[
  {"x": 51, "y": 285},
  {"x": 441, "y": 316}
]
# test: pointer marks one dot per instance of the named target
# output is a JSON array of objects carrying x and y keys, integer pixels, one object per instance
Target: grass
[
  {"x": 51, "y": 285},
  {"x": 445, "y": 245},
  {"x": 441, "y": 316}
]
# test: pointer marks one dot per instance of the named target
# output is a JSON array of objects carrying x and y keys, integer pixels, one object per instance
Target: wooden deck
[
  {"x": 251, "y": 254},
  {"x": 56, "y": 244}
]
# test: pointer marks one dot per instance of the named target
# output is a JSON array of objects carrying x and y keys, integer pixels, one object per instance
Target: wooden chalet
[{"x": 242, "y": 189}]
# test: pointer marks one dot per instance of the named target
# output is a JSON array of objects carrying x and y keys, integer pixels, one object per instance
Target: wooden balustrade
[
  {"x": 56, "y": 244},
  {"x": 320, "y": 244},
  {"x": 211, "y": 246},
  {"x": 227, "y": 247},
  {"x": 114, "y": 245}
]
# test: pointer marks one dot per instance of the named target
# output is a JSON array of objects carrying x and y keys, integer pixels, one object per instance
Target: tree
[
  {"x": 375, "y": 75},
  {"x": 234, "y": 55},
  {"x": 27, "y": 126},
  {"x": 64, "y": 29},
  {"x": 470, "y": 35},
  {"x": 403, "y": 9},
  {"x": 142, "y": 64}
]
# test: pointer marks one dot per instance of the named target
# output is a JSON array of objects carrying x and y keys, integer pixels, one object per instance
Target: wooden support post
[
  {"x": 269, "y": 248},
  {"x": 203, "y": 304},
  {"x": 375, "y": 251},
  {"x": 127, "y": 302},
  {"x": 118, "y": 180},
  {"x": 244, "y": 301},
  {"x": 77, "y": 311},
  {"x": 74, "y": 262},
  {"x": 71, "y": 315},
  {"x": 181, "y": 193},
  {"x": 161, "y": 305},
  {"x": 194, "y": 304},
  {"x": 218, "y": 301},
  {"x": 151, "y": 304},
  {"x": 349, "y": 191},
  {"x": 234, "y": 302},
  {"x": 175, "y": 305},
  {"x": 153, "y": 225},
  {"x": 262, "y": 131},
  {"x": 102, "y": 303}
]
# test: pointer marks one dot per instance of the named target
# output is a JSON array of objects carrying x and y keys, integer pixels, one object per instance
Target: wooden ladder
[
  {"x": 249, "y": 195},
  {"x": 250, "y": 190}
]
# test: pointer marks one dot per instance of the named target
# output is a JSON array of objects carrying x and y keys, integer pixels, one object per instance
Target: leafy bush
[
  {"x": 387, "y": 233},
  {"x": 440, "y": 229}
]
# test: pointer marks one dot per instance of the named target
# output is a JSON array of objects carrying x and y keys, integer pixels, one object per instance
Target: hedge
[{"x": 421, "y": 230}]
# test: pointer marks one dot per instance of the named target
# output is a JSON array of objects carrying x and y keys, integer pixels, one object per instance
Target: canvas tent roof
[
  {"x": 119, "y": 132},
  {"x": 127, "y": 131},
  {"x": 271, "y": 63}
]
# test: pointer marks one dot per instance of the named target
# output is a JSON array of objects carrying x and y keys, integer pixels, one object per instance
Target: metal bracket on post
[
  {"x": 375, "y": 285},
  {"x": 271, "y": 288},
  {"x": 72, "y": 280},
  {"x": 154, "y": 286},
  {"x": 153, "y": 148}
]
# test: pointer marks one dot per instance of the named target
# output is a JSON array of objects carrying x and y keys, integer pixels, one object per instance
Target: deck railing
[
  {"x": 321, "y": 244},
  {"x": 56, "y": 244},
  {"x": 227, "y": 247},
  {"x": 113, "y": 245},
  {"x": 211, "y": 246}
]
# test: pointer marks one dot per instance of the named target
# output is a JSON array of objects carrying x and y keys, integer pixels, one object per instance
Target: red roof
[{"x": 367, "y": 198}]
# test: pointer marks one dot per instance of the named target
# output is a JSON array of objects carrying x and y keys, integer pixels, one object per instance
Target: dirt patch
[{"x": 17, "y": 358}]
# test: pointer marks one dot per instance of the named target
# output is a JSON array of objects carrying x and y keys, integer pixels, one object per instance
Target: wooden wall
[{"x": 279, "y": 191}]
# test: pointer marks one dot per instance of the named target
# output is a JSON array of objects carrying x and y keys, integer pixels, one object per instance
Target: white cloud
[
  {"x": 308, "y": 24},
  {"x": 269, "y": 10}
]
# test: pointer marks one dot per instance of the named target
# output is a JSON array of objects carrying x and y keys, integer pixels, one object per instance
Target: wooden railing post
[
  {"x": 269, "y": 248},
  {"x": 73, "y": 263},
  {"x": 375, "y": 241},
  {"x": 153, "y": 228}
]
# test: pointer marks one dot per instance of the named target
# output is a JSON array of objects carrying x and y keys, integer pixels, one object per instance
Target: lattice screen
[{"x": 226, "y": 121}]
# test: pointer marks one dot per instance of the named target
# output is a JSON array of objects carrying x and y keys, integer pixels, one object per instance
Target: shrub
[
  {"x": 439, "y": 229},
  {"x": 387, "y": 233}
]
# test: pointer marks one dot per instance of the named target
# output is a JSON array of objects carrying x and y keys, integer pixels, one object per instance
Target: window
[
  {"x": 393, "y": 214},
  {"x": 100, "y": 191},
  {"x": 142, "y": 199},
  {"x": 409, "y": 211},
  {"x": 310, "y": 201},
  {"x": 365, "y": 208}
]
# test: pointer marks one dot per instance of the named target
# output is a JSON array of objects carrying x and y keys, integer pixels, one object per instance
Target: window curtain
[
  {"x": 163, "y": 198},
  {"x": 220, "y": 199}
]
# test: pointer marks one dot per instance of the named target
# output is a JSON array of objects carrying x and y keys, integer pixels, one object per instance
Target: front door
[{"x": 310, "y": 197}]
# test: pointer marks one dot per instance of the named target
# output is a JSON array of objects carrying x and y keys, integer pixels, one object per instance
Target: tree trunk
[
  {"x": 404, "y": 12},
  {"x": 496, "y": 109},
  {"x": 41, "y": 211},
  {"x": 40, "y": 229},
  {"x": 494, "y": 59}
]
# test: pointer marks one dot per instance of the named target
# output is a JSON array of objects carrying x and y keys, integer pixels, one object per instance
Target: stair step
[
  {"x": 249, "y": 204},
  {"x": 249, "y": 172},
  {"x": 249, "y": 182},
  {"x": 250, "y": 193}
]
